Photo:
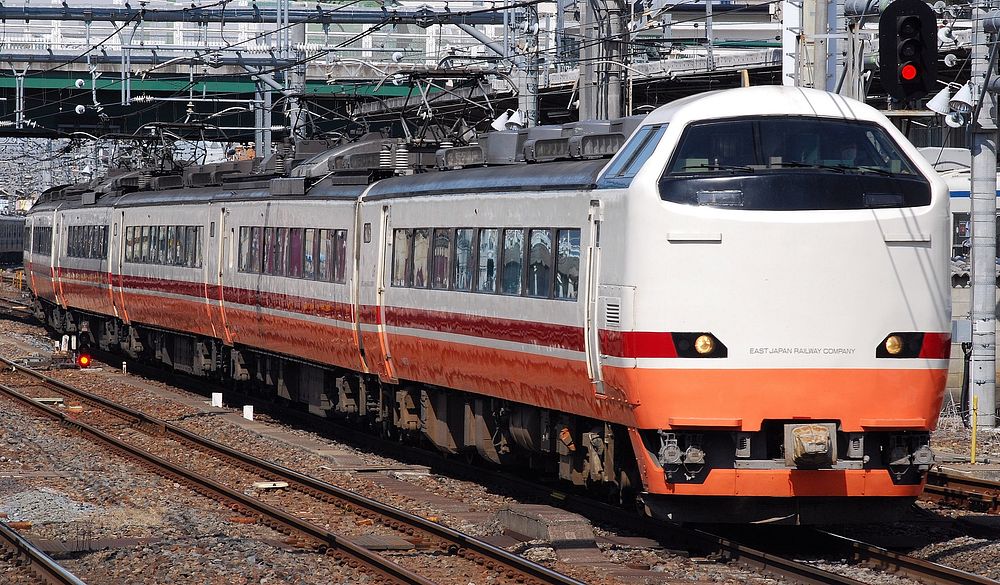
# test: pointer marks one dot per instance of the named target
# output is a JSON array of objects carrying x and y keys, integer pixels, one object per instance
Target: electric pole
[{"x": 984, "y": 234}]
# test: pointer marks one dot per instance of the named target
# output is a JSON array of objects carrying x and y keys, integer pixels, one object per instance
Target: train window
[
  {"x": 161, "y": 235},
  {"x": 421, "y": 253},
  {"x": 154, "y": 244},
  {"x": 171, "y": 258},
  {"x": 256, "y": 239},
  {"x": 190, "y": 246},
  {"x": 244, "y": 261},
  {"x": 633, "y": 155},
  {"x": 269, "y": 250},
  {"x": 326, "y": 255},
  {"x": 199, "y": 233},
  {"x": 128, "y": 244},
  {"x": 791, "y": 163},
  {"x": 464, "y": 257},
  {"x": 486, "y": 273},
  {"x": 539, "y": 281},
  {"x": 104, "y": 241},
  {"x": 295, "y": 244},
  {"x": 340, "y": 256},
  {"x": 280, "y": 251},
  {"x": 513, "y": 261},
  {"x": 179, "y": 247},
  {"x": 144, "y": 245},
  {"x": 439, "y": 258},
  {"x": 309, "y": 254},
  {"x": 567, "y": 264},
  {"x": 401, "y": 250}
]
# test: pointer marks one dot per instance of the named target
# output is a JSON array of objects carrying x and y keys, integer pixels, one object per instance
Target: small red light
[
  {"x": 908, "y": 72},
  {"x": 83, "y": 361}
]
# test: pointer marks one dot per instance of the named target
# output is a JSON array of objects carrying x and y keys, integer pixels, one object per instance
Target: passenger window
[
  {"x": 540, "y": 264},
  {"x": 439, "y": 258},
  {"x": 326, "y": 255},
  {"x": 179, "y": 247},
  {"x": 244, "y": 248},
  {"x": 144, "y": 257},
  {"x": 486, "y": 277},
  {"x": 162, "y": 254},
  {"x": 191, "y": 247},
  {"x": 421, "y": 252},
  {"x": 295, "y": 253},
  {"x": 464, "y": 268},
  {"x": 567, "y": 264},
  {"x": 513, "y": 259},
  {"x": 268, "y": 250},
  {"x": 281, "y": 251},
  {"x": 401, "y": 265},
  {"x": 128, "y": 244},
  {"x": 340, "y": 252},
  {"x": 309, "y": 254},
  {"x": 256, "y": 258}
]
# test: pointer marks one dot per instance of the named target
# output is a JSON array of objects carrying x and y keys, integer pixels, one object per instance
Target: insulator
[
  {"x": 403, "y": 161},
  {"x": 385, "y": 156}
]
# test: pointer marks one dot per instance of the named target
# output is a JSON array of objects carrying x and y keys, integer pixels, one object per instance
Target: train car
[
  {"x": 742, "y": 316},
  {"x": 11, "y": 240}
]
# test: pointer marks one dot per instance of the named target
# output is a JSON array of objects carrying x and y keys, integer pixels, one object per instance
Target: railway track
[
  {"x": 962, "y": 491},
  {"x": 30, "y": 565},
  {"x": 720, "y": 547},
  {"x": 425, "y": 533}
]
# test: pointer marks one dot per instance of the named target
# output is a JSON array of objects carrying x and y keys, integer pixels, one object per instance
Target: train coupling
[{"x": 810, "y": 445}]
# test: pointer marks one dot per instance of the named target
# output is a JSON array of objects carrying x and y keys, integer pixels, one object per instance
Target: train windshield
[{"x": 790, "y": 163}]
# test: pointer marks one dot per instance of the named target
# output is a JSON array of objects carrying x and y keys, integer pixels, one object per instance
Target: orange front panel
[
  {"x": 778, "y": 483},
  {"x": 860, "y": 399}
]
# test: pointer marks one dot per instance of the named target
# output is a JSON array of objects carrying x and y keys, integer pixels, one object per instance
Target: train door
[
  {"x": 111, "y": 258},
  {"x": 356, "y": 285},
  {"x": 224, "y": 247},
  {"x": 219, "y": 259},
  {"x": 382, "y": 282},
  {"x": 118, "y": 254},
  {"x": 591, "y": 322},
  {"x": 368, "y": 314},
  {"x": 55, "y": 258}
]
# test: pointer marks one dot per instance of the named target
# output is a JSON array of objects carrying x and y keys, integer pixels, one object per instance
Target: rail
[
  {"x": 458, "y": 541},
  {"x": 37, "y": 562},
  {"x": 962, "y": 491}
]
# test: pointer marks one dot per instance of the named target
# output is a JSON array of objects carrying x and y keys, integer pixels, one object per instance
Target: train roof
[
  {"x": 762, "y": 100},
  {"x": 566, "y": 175}
]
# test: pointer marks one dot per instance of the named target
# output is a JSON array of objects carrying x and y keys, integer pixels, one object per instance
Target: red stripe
[
  {"x": 637, "y": 344},
  {"x": 936, "y": 346},
  {"x": 533, "y": 332}
]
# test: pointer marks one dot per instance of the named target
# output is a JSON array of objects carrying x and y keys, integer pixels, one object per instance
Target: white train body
[{"x": 704, "y": 319}]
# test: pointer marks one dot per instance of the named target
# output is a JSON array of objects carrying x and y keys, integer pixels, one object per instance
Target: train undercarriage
[{"x": 588, "y": 453}]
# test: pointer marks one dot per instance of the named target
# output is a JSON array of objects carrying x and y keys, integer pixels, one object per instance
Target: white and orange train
[{"x": 743, "y": 316}]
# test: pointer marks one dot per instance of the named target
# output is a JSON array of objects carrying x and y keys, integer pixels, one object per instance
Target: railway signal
[
  {"x": 907, "y": 55},
  {"x": 83, "y": 360}
]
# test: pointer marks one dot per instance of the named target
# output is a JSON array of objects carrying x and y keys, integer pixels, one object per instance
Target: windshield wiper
[
  {"x": 876, "y": 170},
  {"x": 744, "y": 168},
  {"x": 801, "y": 165}
]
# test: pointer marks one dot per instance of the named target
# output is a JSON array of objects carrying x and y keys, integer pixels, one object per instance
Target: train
[
  {"x": 734, "y": 309},
  {"x": 11, "y": 240}
]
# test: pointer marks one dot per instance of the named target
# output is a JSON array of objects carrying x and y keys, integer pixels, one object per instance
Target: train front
[{"x": 784, "y": 322}]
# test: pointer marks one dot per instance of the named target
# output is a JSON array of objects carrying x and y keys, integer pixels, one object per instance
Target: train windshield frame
[{"x": 791, "y": 163}]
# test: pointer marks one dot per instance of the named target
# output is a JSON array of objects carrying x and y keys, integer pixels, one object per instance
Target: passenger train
[
  {"x": 742, "y": 316},
  {"x": 11, "y": 240}
]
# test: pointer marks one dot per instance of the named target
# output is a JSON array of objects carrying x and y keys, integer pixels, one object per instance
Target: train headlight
[
  {"x": 893, "y": 344},
  {"x": 704, "y": 344}
]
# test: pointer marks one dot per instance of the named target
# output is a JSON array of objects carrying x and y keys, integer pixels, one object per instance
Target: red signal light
[
  {"x": 908, "y": 72},
  {"x": 83, "y": 360}
]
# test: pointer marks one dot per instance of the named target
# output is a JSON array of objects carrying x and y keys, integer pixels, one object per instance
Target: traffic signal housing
[{"x": 907, "y": 55}]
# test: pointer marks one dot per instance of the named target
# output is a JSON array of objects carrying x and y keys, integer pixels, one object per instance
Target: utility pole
[
  {"x": 589, "y": 53},
  {"x": 984, "y": 235},
  {"x": 616, "y": 56}
]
